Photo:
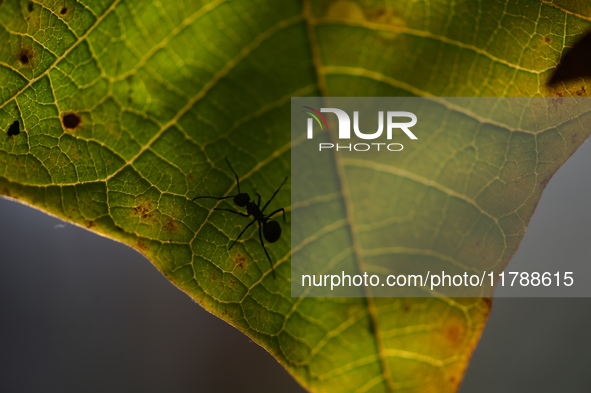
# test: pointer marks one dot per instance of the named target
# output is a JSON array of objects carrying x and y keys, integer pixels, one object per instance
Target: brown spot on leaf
[
  {"x": 64, "y": 11},
  {"x": 406, "y": 308},
  {"x": 227, "y": 316},
  {"x": 214, "y": 277},
  {"x": 71, "y": 120},
  {"x": 232, "y": 283},
  {"x": 547, "y": 39},
  {"x": 143, "y": 209},
  {"x": 142, "y": 245},
  {"x": 170, "y": 225},
  {"x": 454, "y": 334},
  {"x": 455, "y": 380},
  {"x": 487, "y": 301},
  {"x": 30, "y": 6},
  {"x": 581, "y": 91},
  {"x": 24, "y": 57},
  {"x": 559, "y": 101},
  {"x": 240, "y": 261}
]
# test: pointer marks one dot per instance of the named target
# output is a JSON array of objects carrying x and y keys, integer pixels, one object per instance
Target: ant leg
[
  {"x": 276, "y": 191},
  {"x": 277, "y": 211},
  {"x": 239, "y": 236},
  {"x": 259, "y": 203},
  {"x": 264, "y": 248},
  {"x": 210, "y": 197},
  {"x": 233, "y": 211}
]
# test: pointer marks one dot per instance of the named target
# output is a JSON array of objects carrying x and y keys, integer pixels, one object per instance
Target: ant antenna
[
  {"x": 237, "y": 179},
  {"x": 240, "y": 199}
]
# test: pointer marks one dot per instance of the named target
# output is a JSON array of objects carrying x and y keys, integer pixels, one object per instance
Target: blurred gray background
[{"x": 82, "y": 313}]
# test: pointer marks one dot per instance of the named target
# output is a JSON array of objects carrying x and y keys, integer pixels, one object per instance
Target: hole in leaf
[
  {"x": 64, "y": 11},
  {"x": 71, "y": 120},
  {"x": 14, "y": 129}
]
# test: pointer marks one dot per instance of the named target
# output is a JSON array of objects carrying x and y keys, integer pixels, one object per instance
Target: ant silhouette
[{"x": 269, "y": 228}]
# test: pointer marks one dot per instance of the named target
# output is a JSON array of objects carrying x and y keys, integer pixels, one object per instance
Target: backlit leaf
[{"x": 127, "y": 110}]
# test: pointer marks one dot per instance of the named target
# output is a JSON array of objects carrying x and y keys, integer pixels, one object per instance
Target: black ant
[{"x": 267, "y": 227}]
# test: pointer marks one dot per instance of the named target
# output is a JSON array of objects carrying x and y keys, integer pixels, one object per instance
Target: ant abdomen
[{"x": 272, "y": 231}]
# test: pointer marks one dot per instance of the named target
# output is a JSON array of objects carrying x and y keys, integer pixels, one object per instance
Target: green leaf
[{"x": 127, "y": 110}]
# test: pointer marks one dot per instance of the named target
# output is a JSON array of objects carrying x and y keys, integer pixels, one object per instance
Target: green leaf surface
[{"x": 127, "y": 110}]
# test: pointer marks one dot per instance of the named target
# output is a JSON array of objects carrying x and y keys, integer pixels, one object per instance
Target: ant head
[
  {"x": 241, "y": 199},
  {"x": 272, "y": 231}
]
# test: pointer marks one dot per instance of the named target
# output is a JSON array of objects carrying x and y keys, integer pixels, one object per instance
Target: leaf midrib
[{"x": 357, "y": 250}]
